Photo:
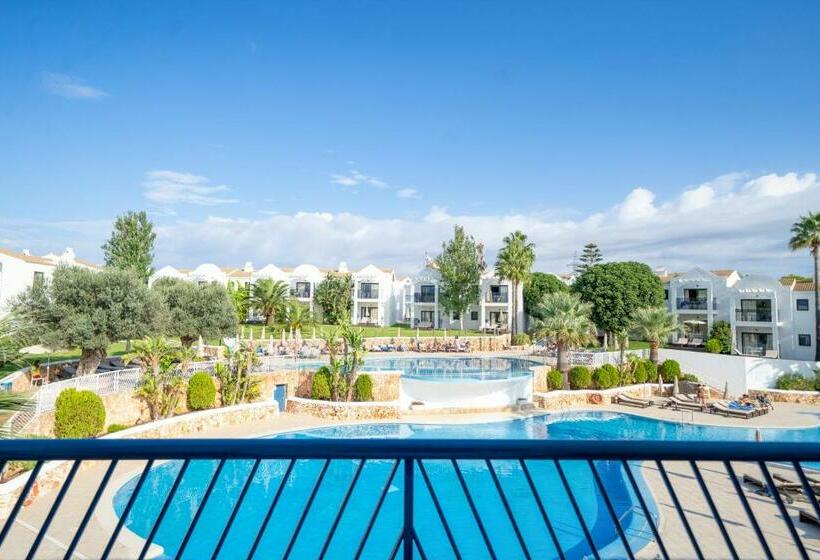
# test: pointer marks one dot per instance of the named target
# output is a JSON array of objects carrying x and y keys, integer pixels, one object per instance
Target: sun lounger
[
  {"x": 787, "y": 491},
  {"x": 682, "y": 341},
  {"x": 723, "y": 408},
  {"x": 814, "y": 484},
  {"x": 806, "y": 517},
  {"x": 632, "y": 401},
  {"x": 679, "y": 402},
  {"x": 696, "y": 342}
]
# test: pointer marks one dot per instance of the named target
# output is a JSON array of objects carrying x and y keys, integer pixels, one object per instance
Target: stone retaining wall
[
  {"x": 53, "y": 473},
  {"x": 554, "y": 400},
  {"x": 344, "y": 411},
  {"x": 780, "y": 395}
]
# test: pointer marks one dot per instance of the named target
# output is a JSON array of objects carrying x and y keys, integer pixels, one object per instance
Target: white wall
[
  {"x": 741, "y": 372},
  {"x": 465, "y": 394}
]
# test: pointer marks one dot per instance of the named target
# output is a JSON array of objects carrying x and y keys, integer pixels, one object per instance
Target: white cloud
[
  {"x": 408, "y": 193},
  {"x": 728, "y": 226},
  {"x": 70, "y": 87},
  {"x": 776, "y": 186},
  {"x": 173, "y": 187},
  {"x": 356, "y": 178}
]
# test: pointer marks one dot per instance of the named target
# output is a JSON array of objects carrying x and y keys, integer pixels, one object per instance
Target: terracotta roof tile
[
  {"x": 803, "y": 286},
  {"x": 27, "y": 258}
]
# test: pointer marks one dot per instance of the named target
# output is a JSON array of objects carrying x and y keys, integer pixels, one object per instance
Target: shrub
[
  {"x": 555, "y": 380},
  {"x": 669, "y": 369},
  {"x": 113, "y": 428},
  {"x": 520, "y": 339},
  {"x": 78, "y": 414},
  {"x": 651, "y": 371},
  {"x": 714, "y": 346},
  {"x": 640, "y": 374},
  {"x": 13, "y": 468},
  {"x": 201, "y": 392},
  {"x": 606, "y": 376},
  {"x": 579, "y": 377},
  {"x": 689, "y": 377},
  {"x": 796, "y": 382},
  {"x": 722, "y": 332},
  {"x": 320, "y": 389},
  {"x": 363, "y": 388}
]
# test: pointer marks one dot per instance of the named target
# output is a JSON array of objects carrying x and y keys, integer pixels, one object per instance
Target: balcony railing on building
[
  {"x": 753, "y": 315},
  {"x": 368, "y": 293},
  {"x": 300, "y": 293},
  {"x": 496, "y": 297},
  {"x": 422, "y": 297},
  {"x": 686, "y": 304}
]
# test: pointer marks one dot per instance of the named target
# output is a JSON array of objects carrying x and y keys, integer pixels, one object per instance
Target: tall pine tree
[
  {"x": 590, "y": 256},
  {"x": 460, "y": 265}
]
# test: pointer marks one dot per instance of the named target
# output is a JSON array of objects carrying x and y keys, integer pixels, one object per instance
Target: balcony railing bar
[
  {"x": 672, "y": 494},
  {"x": 542, "y": 510},
  {"x": 783, "y": 511},
  {"x": 576, "y": 509},
  {"x": 649, "y": 519},
  {"x": 473, "y": 509},
  {"x": 342, "y": 507},
  {"x": 615, "y": 520},
  {"x": 804, "y": 482},
  {"x": 124, "y": 516},
  {"x": 268, "y": 514},
  {"x": 306, "y": 509},
  {"x": 186, "y": 539},
  {"x": 710, "y": 502},
  {"x": 439, "y": 511},
  {"x": 235, "y": 509},
  {"x": 168, "y": 499},
  {"x": 53, "y": 510},
  {"x": 507, "y": 508},
  {"x": 408, "y": 534},
  {"x": 378, "y": 508},
  {"x": 749, "y": 513},
  {"x": 91, "y": 507}
]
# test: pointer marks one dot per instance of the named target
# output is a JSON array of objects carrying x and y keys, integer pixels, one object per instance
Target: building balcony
[
  {"x": 753, "y": 316},
  {"x": 497, "y": 298},
  {"x": 368, "y": 294},
  {"x": 685, "y": 304},
  {"x": 424, "y": 298},
  {"x": 300, "y": 294}
]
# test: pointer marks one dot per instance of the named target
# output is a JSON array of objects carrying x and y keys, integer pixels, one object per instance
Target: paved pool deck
[{"x": 673, "y": 533}]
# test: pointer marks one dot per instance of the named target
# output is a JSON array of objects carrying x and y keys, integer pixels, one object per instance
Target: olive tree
[
  {"x": 90, "y": 310},
  {"x": 205, "y": 310}
]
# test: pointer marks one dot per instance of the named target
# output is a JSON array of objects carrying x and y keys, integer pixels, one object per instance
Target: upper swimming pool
[{"x": 337, "y": 478}]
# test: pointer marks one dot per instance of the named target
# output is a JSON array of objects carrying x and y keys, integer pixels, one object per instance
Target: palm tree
[
  {"x": 240, "y": 296},
  {"x": 806, "y": 235},
  {"x": 297, "y": 315},
  {"x": 354, "y": 351},
  {"x": 566, "y": 321},
  {"x": 332, "y": 337},
  {"x": 654, "y": 324},
  {"x": 514, "y": 263},
  {"x": 269, "y": 296}
]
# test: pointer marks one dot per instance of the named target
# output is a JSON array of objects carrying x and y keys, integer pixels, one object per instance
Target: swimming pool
[{"x": 573, "y": 425}]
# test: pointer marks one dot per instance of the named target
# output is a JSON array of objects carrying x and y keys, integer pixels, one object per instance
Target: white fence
[
  {"x": 104, "y": 383},
  {"x": 590, "y": 358}
]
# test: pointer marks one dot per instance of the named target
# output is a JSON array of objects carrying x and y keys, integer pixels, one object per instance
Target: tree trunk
[
  {"x": 270, "y": 318},
  {"x": 90, "y": 360},
  {"x": 816, "y": 254},
  {"x": 187, "y": 341},
  {"x": 653, "y": 351},
  {"x": 563, "y": 362},
  {"x": 514, "y": 329}
]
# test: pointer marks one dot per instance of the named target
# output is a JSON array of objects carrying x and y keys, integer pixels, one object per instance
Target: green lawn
[
  {"x": 116, "y": 349},
  {"x": 369, "y": 332}
]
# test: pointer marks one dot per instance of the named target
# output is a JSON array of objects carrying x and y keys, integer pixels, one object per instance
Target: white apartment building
[
  {"x": 767, "y": 317},
  {"x": 20, "y": 270},
  {"x": 379, "y": 297}
]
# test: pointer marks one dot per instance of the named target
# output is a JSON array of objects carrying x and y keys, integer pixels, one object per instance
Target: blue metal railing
[{"x": 412, "y": 458}]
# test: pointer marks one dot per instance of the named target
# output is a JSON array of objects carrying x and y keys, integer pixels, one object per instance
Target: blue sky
[{"x": 362, "y": 131}]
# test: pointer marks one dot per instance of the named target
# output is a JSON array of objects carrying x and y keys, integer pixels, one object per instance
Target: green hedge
[
  {"x": 78, "y": 414},
  {"x": 797, "y": 382},
  {"x": 580, "y": 377},
  {"x": 320, "y": 388},
  {"x": 640, "y": 374},
  {"x": 651, "y": 371},
  {"x": 521, "y": 339},
  {"x": 669, "y": 369},
  {"x": 714, "y": 346},
  {"x": 606, "y": 376},
  {"x": 363, "y": 388},
  {"x": 555, "y": 380},
  {"x": 201, "y": 392},
  {"x": 114, "y": 428}
]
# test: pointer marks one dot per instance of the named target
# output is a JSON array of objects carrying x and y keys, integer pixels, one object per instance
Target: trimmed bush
[
  {"x": 320, "y": 389},
  {"x": 580, "y": 377},
  {"x": 201, "y": 392},
  {"x": 606, "y": 376},
  {"x": 113, "y": 428},
  {"x": 651, "y": 371},
  {"x": 78, "y": 414},
  {"x": 689, "y": 377},
  {"x": 520, "y": 339},
  {"x": 722, "y": 332},
  {"x": 714, "y": 346},
  {"x": 363, "y": 388},
  {"x": 640, "y": 374},
  {"x": 669, "y": 369},
  {"x": 796, "y": 382},
  {"x": 555, "y": 380}
]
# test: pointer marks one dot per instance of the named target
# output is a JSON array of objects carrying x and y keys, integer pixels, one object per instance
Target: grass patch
[{"x": 369, "y": 332}]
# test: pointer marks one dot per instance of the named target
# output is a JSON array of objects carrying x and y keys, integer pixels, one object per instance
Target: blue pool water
[{"x": 574, "y": 425}]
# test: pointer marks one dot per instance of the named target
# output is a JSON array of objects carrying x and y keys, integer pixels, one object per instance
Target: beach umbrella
[
  {"x": 242, "y": 332},
  {"x": 726, "y": 391},
  {"x": 445, "y": 335},
  {"x": 675, "y": 387},
  {"x": 660, "y": 384},
  {"x": 200, "y": 349},
  {"x": 263, "y": 333},
  {"x": 283, "y": 335},
  {"x": 314, "y": 334},
  {"x": 758, "y": 435},
  {"x": 399, "y": 332},
  {"x": 417, "y": 332},
  {"x": 271, "y": 349}
]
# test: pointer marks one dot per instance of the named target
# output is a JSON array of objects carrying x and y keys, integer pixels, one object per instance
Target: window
[
  {"x": 804, "y": 340},
  {"x": 39, "y": 278},
  {"x": 456, "y": 316},
  {"x": 302, "y": 290},
  {"x": 802, "y": 305},
  {"x": 666, "y": 295},
  {"x": 427, "y": 317},
  {"x": 473, "y": 315}
]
